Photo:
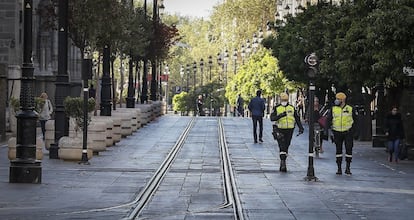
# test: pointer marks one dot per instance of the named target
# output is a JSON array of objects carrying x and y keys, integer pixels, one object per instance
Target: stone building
[{"x": 45, "y": 52}]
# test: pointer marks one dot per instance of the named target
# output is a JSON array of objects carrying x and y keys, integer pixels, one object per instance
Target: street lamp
[
  {"x": 225, "y": 61},
  {"x": 182, "y": 77},
  {"x": 210, "y": 64},
  {"x": 248, "y": 47},
  {"x": 62, "y": 80},
  {"x": 188, "y": 77},
  {"x": 311, "y": 61},
  {"x": 255, "y": 42},
  {"x": 25, "y": 168},
  {"x": 166, "y": 75},
  {"x": 194, "y": 74},
  {"x": 243, "y": 53},
  {"x": 219, "y": 63},
  {"x": 260, "y": 38},
  {"x": 235, "y": 60},
  {"x": 106, "y": 84},
  {"x": 86, "y": 72},
  {"x": 201, "y": 70}
]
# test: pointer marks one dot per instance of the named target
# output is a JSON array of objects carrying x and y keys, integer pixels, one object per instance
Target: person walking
[
  {"x": 240, "y": 108},
  {"x": 394, "y": 130},
  {"x": 257, "y": 107},
  {"x": 341, "y": 119},
  {"x": 46, "y": 111},
  {"x": 200, "y": 105},
  {"x": 285, "y": 117},
  {"x": 92, "y": 92},
  {"x": 318, "y": 121}
]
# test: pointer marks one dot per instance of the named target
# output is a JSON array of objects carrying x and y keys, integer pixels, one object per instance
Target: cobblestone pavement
[{"x": 193, "y": 187}]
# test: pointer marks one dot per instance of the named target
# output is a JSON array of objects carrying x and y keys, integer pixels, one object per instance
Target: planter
[{"x": 12, "y": 148}]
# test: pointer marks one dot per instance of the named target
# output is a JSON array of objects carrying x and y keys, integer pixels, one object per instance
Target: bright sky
[{"x": 192, "y": 8}]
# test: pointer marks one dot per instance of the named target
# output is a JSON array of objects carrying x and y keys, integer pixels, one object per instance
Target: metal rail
[
  {"x": 144, "y": 196},
  {"x": 231, "y": 195},
  {"x": 230, "y": 187}
]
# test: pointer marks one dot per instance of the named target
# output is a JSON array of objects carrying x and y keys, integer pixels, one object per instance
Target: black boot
[
  {"x": 348, "y": 169},
  {"x": 339, "y": 164},
  {"x": 283, "y": 166},
  {"x": 390, "y": 158}
]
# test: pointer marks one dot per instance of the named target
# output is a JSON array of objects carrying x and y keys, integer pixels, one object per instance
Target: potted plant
[{"x": 74, "y": 109}]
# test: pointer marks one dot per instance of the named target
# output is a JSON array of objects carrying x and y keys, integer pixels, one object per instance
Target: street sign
[
  {"x": 311, "y": 59},
  {"x": 409, "y": 71}
]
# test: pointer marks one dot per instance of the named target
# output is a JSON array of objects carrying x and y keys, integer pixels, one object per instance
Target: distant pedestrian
[
  {"x": 394, "y": 130},
  {"x": 285, "y": 117},
  {"x": 46, "y": 111},
  {"x": 92, "y": 92},
  {"x": 240, "y": 106},
  {"x": 200, "y": 105},
  {"x": 300, "y": 102},
  {"x": 341, "y": 117},
  {"x": 257, "y": 108},
  {"x": 318, "y": 124}
]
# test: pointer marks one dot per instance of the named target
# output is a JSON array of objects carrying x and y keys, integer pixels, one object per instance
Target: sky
[{"x": 192, "y": 8}]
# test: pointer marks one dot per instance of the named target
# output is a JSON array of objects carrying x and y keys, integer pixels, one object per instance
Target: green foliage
[
  {"x": 179, "y": 102},
  {"x": 74, "y": 108},
  {"x": 366, "y": 41},
  {"x": 15, "y": 104},
  {"x": 39, "y": 103},
  {"x": 261, "y": 72}
]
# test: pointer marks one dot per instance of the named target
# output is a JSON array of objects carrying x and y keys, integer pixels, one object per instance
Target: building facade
[{"x": 45, "y": 51}]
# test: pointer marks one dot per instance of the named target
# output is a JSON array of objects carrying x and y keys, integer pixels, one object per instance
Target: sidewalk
[{"x": 191, "y": 190}]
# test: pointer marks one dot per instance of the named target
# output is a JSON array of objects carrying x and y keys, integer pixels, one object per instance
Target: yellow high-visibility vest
[
  {"x": 342, "y": 118},
  {"x": 288, "y": 121}
]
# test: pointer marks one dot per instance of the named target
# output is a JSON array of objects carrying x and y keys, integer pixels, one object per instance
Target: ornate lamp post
[
  {"x": 255, "y": 42},
  {"x": 248, "y": 47},
  {"x": 86, "y": 72},
  {"x": 106, "y": 84},
  {"x": 219, "y": 63},
  {"x": 144, "y": 91},
  {"x": 166, "y": 75},
  {"x": 243, "y": 53},
  {"x": 62, "y": 80},
  {"x": 182, "y": 77},
  {"x": 130, "y": 100},
  {"x": 25, "y": 168},
  {"x": 210, "y": 65},
  {"x": 194, "y": 74},
  {"x": 260, "y": 38},
  {"x": 225, "y": 61},
  {"x": 188, "y": 77},
  {"x": 201, "y": 70},
  {"x": 154, "y": 59},
  {"x": 311, "y": 62},
  {"x": 235, "y": 60}
]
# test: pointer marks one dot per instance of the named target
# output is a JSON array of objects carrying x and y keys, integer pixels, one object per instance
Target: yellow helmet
[
  {"x": 340, "y": 95},
  {"x": 284, "y": 96}
]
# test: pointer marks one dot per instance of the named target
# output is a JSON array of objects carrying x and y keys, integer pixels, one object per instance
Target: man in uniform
[
  {"x": 285, "y": 116},
  {"x": 341, "y": 119}
]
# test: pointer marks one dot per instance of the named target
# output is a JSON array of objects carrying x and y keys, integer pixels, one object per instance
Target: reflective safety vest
[
  {"x": 288, "y": 121},
  {"x": 342, "y": 118}
]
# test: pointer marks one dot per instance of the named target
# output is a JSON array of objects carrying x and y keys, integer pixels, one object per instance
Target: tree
[{"x": 261, "y": 72}]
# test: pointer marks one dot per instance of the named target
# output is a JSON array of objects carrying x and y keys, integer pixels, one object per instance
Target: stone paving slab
[{"x": 193, "y": 187}]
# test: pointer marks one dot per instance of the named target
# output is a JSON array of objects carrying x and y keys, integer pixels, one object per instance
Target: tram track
[
  {"x": 145, "y": 195},
  {"x": 231, "y": 194},
  {"x": 142, "y": 199}
]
